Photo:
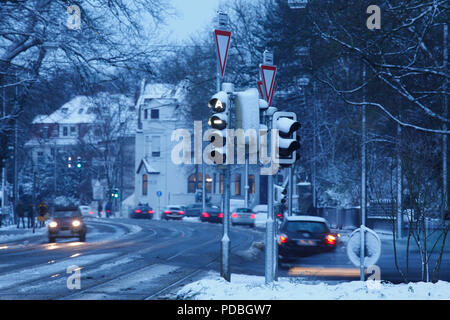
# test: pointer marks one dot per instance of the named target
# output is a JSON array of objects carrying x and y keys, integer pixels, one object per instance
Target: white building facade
[{"x": 158, "y": 180}]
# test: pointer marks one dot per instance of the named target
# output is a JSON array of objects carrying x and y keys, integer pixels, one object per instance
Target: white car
[{"x": 86, "y": 211}]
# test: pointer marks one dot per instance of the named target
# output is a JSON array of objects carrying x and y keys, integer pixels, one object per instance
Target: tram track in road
[
  {"x": 131, "y": 271},
  {"x": 164, "y": 232},
  {"x": 164, "y": 237},
  {"x": 184, "y": 273}
]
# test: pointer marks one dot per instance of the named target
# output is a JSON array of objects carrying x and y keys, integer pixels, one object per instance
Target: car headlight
[
  {"x": 53, "y": 224},
  {"x": 76, "y": 223}
]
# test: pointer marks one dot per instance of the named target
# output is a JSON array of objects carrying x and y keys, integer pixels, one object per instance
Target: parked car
[
  {"x": 212, "y": 214},
  {"x": 300, "y": 235},
  {"x": 194, "y": 210},
  {"x": 142, "y": 211},
  {"x": 174, "y": 212},
  {"x": 243, "y": 216},
  {"x": 86, "y": 211},
  {"x": 67, "y": 223}
]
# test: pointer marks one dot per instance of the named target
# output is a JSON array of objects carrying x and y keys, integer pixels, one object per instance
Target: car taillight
[
  {"x": 234, "y": 215},
  {"x": 180, "y": 212},
  {"x": 279, "y": 215},
  {"x": 151, "y": 211},
  {"x": 91, "y": 212},
  {"x": 283, "y": 238},
  {"x": 253, "y": 216},
  {"x": 205, "y": 214},
  {"x": 167, "y": 211},
  {"x": 330, "y": 239},
  {"x": 221, "y": 215},
  {"x": 137, "y": 211}
]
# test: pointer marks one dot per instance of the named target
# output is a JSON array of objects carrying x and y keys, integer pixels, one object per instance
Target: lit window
[
  {"x": 251, "y": 184},
  {"x": 237, "y": 185}
]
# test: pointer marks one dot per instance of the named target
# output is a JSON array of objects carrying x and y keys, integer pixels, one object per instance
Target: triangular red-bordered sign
[
  {"x": 222, "y": 42},
  {"x": 260, "y": 89},
  {"x": 268, "y": 75}
]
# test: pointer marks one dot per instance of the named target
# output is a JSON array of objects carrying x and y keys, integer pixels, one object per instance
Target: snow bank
[{"x": 244, "y": 287}]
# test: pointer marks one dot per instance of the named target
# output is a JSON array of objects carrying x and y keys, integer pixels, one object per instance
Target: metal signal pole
[{"x": 225, "y": 248}]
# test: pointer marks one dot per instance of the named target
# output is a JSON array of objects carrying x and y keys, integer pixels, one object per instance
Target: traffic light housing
[
  {"x": 115, "y": 193},
  {"x": 280, "y": 194},
  {"x": 219, "y": 121},
  {"x": 79, "y": 163},
  {"x": 287, "y": 125}
]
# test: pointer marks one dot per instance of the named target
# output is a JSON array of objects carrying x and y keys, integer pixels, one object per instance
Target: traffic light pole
[
  {"x": 226, "y": 242},
  {"x": 270, "y": 229},
  {"x": 290, "y": 188}
]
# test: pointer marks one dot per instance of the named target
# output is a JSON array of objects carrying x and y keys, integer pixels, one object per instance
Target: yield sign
[
  {"x": 260, "y": 89},
  {"x": 268, "y": 75},
  {"x": 223, "y": 42}
]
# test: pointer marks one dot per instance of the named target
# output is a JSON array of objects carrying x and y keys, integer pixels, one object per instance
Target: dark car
[
  {"x": 67, "y": 223},
  {"x": 212, "y": 214},
  {"x": 194, "y": 210},
  {"x": 142, "y": 211},
  {"x": 304, "y": 235}
]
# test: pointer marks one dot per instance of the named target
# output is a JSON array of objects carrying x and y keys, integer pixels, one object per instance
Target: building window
[
  {"x": 40, "y": 156},
  {"x": 73, "y": 130},
  {"x": 192, "y": 182},
  {"x": 144, "y": 185},
  {"x": 65, "y": 131},
  {"x": 147, "y": 146},
  {"x": 237, "y": 184},
  {"x": 154, "y": 114},
  {"x": 156, "y": 146},
  {"x": 251, "y": 184},
  {"x": 145, "y": 114},
  {"x": 45, "y": 132}
]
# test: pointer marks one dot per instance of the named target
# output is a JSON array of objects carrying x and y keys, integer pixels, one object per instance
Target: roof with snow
[
  {"x": 84, "y": 109},
  {"x": 164, "y": 90},
  {"x": 148, "y": 168}
]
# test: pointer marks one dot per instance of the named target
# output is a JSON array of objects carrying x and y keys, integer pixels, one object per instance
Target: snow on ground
[
  {"x": 244, "y": 287},
  {"x": 49, "y": 269},
  {"x": 17, "y": 234}
]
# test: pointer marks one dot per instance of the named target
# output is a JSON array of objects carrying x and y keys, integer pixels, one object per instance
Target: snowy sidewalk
[
  {"x": 244, "y": 287},
  {"x": 12, "y": 233}
]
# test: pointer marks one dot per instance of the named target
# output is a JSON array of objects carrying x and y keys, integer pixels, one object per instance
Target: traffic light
[
  {"x": 280, "y": 194},
  {"x": 115, "y": 193},
  {"x": 79, "y": 163},
  {"x": 287, "y": 125},
  {"x": 69, "y": 162},
  {"x": 219, "y": 105}
]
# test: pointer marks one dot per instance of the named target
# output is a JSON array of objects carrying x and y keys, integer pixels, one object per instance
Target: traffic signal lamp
[
  {"x": 280, "y": 194},
  {"x": 219, "y": 105},
  {"x": 115, "y": 193},
  {"x": 287, "y": 125},
  {"x": 69, "y": 162},
  {"x": 79, "y": 163}
]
